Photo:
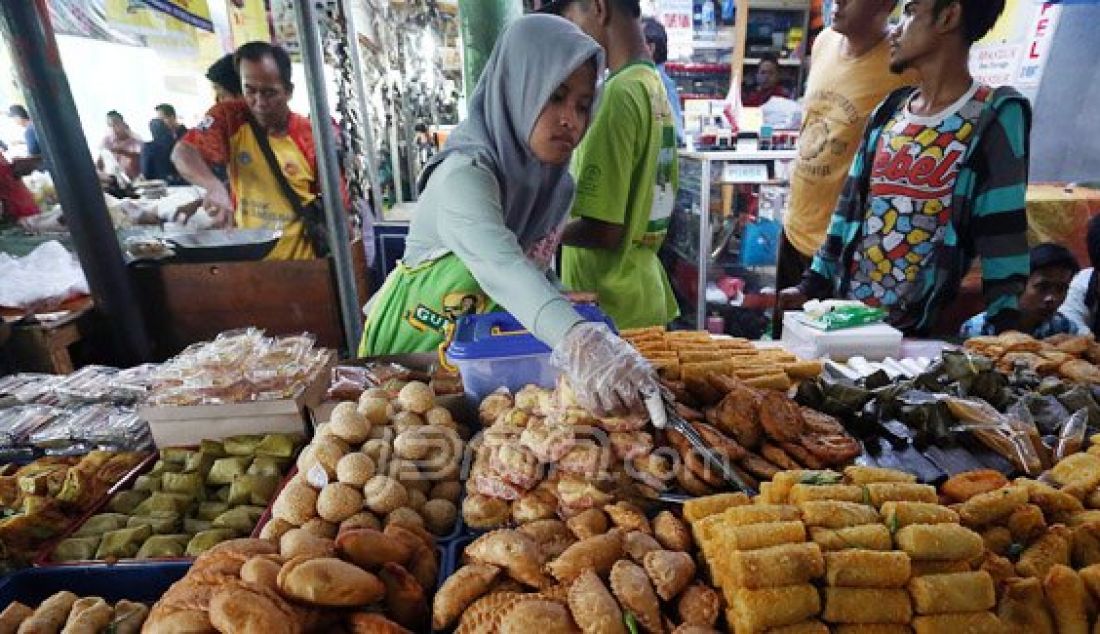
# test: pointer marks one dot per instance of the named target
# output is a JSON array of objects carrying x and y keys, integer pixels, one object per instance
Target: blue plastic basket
[
  {"x": 494, "y": 350},
  {"x": 142, "y": 582}
]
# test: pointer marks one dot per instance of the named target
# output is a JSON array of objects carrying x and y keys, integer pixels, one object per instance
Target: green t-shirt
[{"x": 627, "y": 173}]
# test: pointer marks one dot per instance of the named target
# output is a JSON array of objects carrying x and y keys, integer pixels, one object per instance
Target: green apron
[{"x": 417, "y": 304}]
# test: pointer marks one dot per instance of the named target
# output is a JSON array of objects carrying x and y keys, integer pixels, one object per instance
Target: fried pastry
[
  {"x": 628, "y": 517},
  {"x": 593, "y": 607},
  {"x": 1068, "y": 599},
  {"x": 956, "y": 592},
  {"x": 598, "y": 553},
  {"x": 328, "y": 582},
  {"x": 406, "y": 601},
  {"x": 636, "y": 544},
  {"x": 632, "y": 588},
  {"x": 696, "y": 509},
  {"x": 777, "y": 456},
  {"x": 14, "y": 614},
  {"x": 738, "y": 415},
  {"x": 781, "y": 417},
  {"x": 699, "y": 605},
  {"x": 866, "y": 569},
  {"x": 459, "y": 591},
  {"x": 372, "y": 623},
  {"x": 51, "y": 614},
  {"x": 238, "y": 609},
  {"x": 784, "y": 565},
  {"x": 537, "y": 615},
  {"x": 867, "y": 537},
  {"x": 1049, "y": 550},
  {"x": 867, "y": 605},
  {"x": 669, "y": 571},
  {"x": 370, "y": 549},
  {"x": 552, "y": 536},
  {"x": 588, "y": 523},
  {"x": 760, "y": 610},
  {"x": 1023, "y": 607},
  {"x": 89, "y": 615},
  {"x": 942, "y": 542},
  {"x": 513, "y": 551},
  {"x": 671, "y": 532},
  {"x": 988, "y": 507}
]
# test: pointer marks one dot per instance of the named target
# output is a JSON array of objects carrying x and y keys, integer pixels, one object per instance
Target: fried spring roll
[
  {"x": 813, "y": 626},
  {"x": 883, "y": 492},
  {"x": 810, "y": 493},
  {"x": 905, "y": 513},
  {"x": 932, "y": 567},
  {"x": 784, "y": 481},
  {"x": 970, "y": 623},
  {"x": 1024, "y": 609},
  {"x": 951, "y": 593},
  {"x": 873, "y": 628},
  {"x": 867, "y": 605},
  {"x": 760, "y": 514},
  {"x": 867, "y": 569},
  {"x": 867, "y": 537},
  {"x": 696, "y": 509},
  {"x": 1090, "y": 576},
  {"x": 859, "y": 476},
  {"x": 1068, "y": 600},
  {"x": 830, "y": 514},
  {"x": 784, "y": 565},
  {"x": 758, "y": 610},
  {"x": 943, "y": 542},
  {"x": 991, "y": 506},
  {"x": 757, "y": 536}
]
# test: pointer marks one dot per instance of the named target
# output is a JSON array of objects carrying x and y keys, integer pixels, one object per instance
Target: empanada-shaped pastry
[
  {"x": 13, "y": 615},
  {"x": 688, "y": 628},
  {"x": 537, "y": 615},
  {"x": 699, "y": 605},
  {"x": 593, "y": 607},
  {"x": 372, "y": 623},
  {"x": 588, "y": 523},
  {"x": 484, "y": 615},
  {"x": 670, "y": 571},
  {"x": 129, "y": 617},
  {"x": 369, "y": 548},
  {"x": 672, "y": 532},
  {"x": 628, "y": 517},
  {"x": 459, "y": 591},
  {"x": 51, "y": 613},
  {"x": 597, "y": 553},
  {"x": 637, "y": 544},
  {"x": 552, "y": 536},
  {"x": 513, "y": 551},
  {"x": 406, "y": 601},
  {"x": 89, "y": 615},
  {"x": 328, "y": 582},
  {"x": 635, "y": 594},
  {"x": 238, "y": 609}
]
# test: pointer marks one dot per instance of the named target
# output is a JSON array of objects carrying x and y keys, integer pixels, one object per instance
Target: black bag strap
[{"x": 273, "y": 163}]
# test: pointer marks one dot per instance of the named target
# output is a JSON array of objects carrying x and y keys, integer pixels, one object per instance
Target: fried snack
[
  {"x": 481, "y": 511},
  {"x": 811, "y": 493},
  {"x": 963, "y": 486},
  {"x": 699, "y": 605},
  {"x": 1026, "y": 523},
  {"x": 1080, "y": 371},
  {"x": 905, "y": 513},
  {"x": 757, "y": 536},
  {"x": 775, "y": 455},
  {"x": 370, "y": 549},
  {"x": 537, "y": 615},
  {"x": 1091, "y": 578},
  {"x": 129, "y": 617},
  {"x": 50, "y": 615},
  {"x": 784, "y": 481},
  {"x": 758, "y": 467},
  {"x": 514, "y": 552},
  {"x": 669, "y": 571},
  {"x": 997, "y": 539},
  {"x": 696, "y": 509},
  {"x": 758, "y": 610},
  {"x": 998, "y": 567},
  {"x": 406, "y": 601},
  {"x": 991, "y": 506},
  {"x": 1023, "y": 608},
  {"x": 598, "y": 553},
  {"x": 883, "y": 492},
  {"x": 866, "y": 537},
  {"x": 970, "y": 622},
  {"x": 860, "y": 475},
  {"x": 738, "y": 416},
  {"x": 593, "y": 607},
  {"x": 1081, "y": 466},
  {"x": 943, "y": 542},
  {"x": 328, "y": 582},
  {"x": 671, "y": 532},
  {"x": 950, "y": 593},
  {"x": 262, "y": 571},
  {"x": 780, "y": 417},
  {"x": 784, "y": 565},
  {"x": 552, "y": 536},
  {"x": 872, "y": 628},
  {"x": 922, "y": 568},
  {"x": 12, "y": 616},
  {"x": 866, "y": 569},
  {"x": 632, "y": 588},
  {"x": 760, "y": 514},
  {"x": 1086, "y": 544},
  {"x": 1068, "y": 600},
  {"x": 239, "y": 609},
  {"x": 372, "y": 623},
  {"x": 637, "y": 544},
  {"x": 862, "y": 605},
  {"x": 628, "y": 517},
  {"x": 780, "y": 382},
  {"x": 1054, "y": 503},
  {"x": 1046, "y": 552},
  {"x": 89, "y": 615},
  {"x": 588, "y": 523},
  {"x": 812, "y": 626},
  {"x": 829, "y": 514}
]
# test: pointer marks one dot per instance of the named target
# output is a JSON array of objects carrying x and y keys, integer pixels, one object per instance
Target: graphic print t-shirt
[{"x": 909, "y": 201}]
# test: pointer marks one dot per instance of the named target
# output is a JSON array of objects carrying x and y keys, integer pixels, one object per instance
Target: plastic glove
[{"x": 606, "y": 373}]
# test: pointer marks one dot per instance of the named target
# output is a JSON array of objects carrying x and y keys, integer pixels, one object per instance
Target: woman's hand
[{"x": 606, "y": 373}]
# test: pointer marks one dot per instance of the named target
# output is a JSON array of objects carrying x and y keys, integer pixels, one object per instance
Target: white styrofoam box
[{"x": 873, "y": 342}]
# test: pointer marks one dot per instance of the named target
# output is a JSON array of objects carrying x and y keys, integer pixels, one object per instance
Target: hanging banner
[
  {"x": 675, "y": 15},
  {"x": 285, "y": 27},
  {"x": 248, "y": 21},
  {"x": 1015, "y": 52},
  {"x": 193, "y": 12}
]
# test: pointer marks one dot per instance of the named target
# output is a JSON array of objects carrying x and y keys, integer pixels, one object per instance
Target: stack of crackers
[{"x": 692, "y": 355}]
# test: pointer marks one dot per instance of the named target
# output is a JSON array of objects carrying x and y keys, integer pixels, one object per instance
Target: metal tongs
[{"x": 662, "y": 411}]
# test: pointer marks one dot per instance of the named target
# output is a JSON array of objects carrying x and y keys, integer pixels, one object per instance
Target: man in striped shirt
[{"x": 940, "y": 178}]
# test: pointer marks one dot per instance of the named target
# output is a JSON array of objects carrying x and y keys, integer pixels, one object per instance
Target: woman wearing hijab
[
  {"x": 490, "y": 214},
  {"x": 156, "y": 155}
]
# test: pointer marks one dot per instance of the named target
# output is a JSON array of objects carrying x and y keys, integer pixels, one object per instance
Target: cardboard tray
[{"x": 178, "y": 426}]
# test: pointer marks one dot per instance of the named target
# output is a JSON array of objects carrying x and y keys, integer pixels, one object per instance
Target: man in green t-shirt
[{"x": 627, "y": 174}]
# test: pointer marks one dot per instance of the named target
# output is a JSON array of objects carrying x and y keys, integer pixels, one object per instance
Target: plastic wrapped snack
[
  {"x": 101, "y": 523},
  {"x": 206, "y": 540},
  {"x": 17, "y": 423},
  {"x": 75, "y": 549},
  {"x": 159, "y": 546},
  {"x": 122, "y": 543}
]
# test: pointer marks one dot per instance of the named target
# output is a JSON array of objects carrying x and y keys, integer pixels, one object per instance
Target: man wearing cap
[{"x": 627, "y": 174}]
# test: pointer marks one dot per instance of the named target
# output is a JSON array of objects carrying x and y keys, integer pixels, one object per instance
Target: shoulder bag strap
[{"x": 273, "y": 163}]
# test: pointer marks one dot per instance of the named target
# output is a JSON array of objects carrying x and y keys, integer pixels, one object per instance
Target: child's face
[{"x": 1045, "y": 292}]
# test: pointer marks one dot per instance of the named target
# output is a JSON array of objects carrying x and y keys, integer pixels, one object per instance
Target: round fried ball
[
  {"x": 373, "y": 409},
  {"x": 417, "y": 499},
  {"x": 404, "y": 421},
  {"x": 384, "y": 494},
  {"x": 406, "y": 517},
  {"x": 404, "y": 471},
  {"x": 348, "y": 425},
  {"x": 338, "y": 502},
  {"x": 362, "y": 519},
  {"x": 299, "y": 543},
  {"x": 355, "y": 469},
  {"x": 320, "y": 528},
  {"x": 379, "y": 451},
  {"x": 448, "y": 490},
  {"x": 416, "y": 397},
  {"x": 440, "y": 416},
  {"x": 411, "y": 445},
  {"x": 275, "y": 528},
  {"x": 440, "y": 516},
  {"x": 325, "y": 452},
  {"x": 296, "y": 504},
  {"x": 376, "y": 392}
]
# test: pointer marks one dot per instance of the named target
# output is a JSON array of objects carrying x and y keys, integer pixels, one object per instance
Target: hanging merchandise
[
  {"x": 248, "y": 21},
  {"x": 193, "y": 12}
]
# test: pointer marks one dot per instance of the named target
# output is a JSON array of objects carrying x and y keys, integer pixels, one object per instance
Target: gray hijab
[{"x": 534, "y": 56}]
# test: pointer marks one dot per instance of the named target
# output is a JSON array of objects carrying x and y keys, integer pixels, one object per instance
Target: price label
[{"x": 745, "y": 173}]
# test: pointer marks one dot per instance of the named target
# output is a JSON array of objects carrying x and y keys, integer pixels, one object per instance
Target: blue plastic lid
[{"x": 495, "y": 335}]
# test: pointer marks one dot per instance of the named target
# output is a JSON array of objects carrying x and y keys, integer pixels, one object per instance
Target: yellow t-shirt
[{"x": 840, "y": 95}]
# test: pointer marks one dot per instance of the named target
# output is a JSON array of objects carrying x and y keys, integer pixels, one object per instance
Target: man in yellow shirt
[
  {"x": 849, "y": 76},
  {"x": 226, "y": 137}
]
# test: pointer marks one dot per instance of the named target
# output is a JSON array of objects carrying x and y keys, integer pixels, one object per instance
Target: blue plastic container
[
  {"x": 494, "y": 350},
  {"x": 135, "y": 582}
]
